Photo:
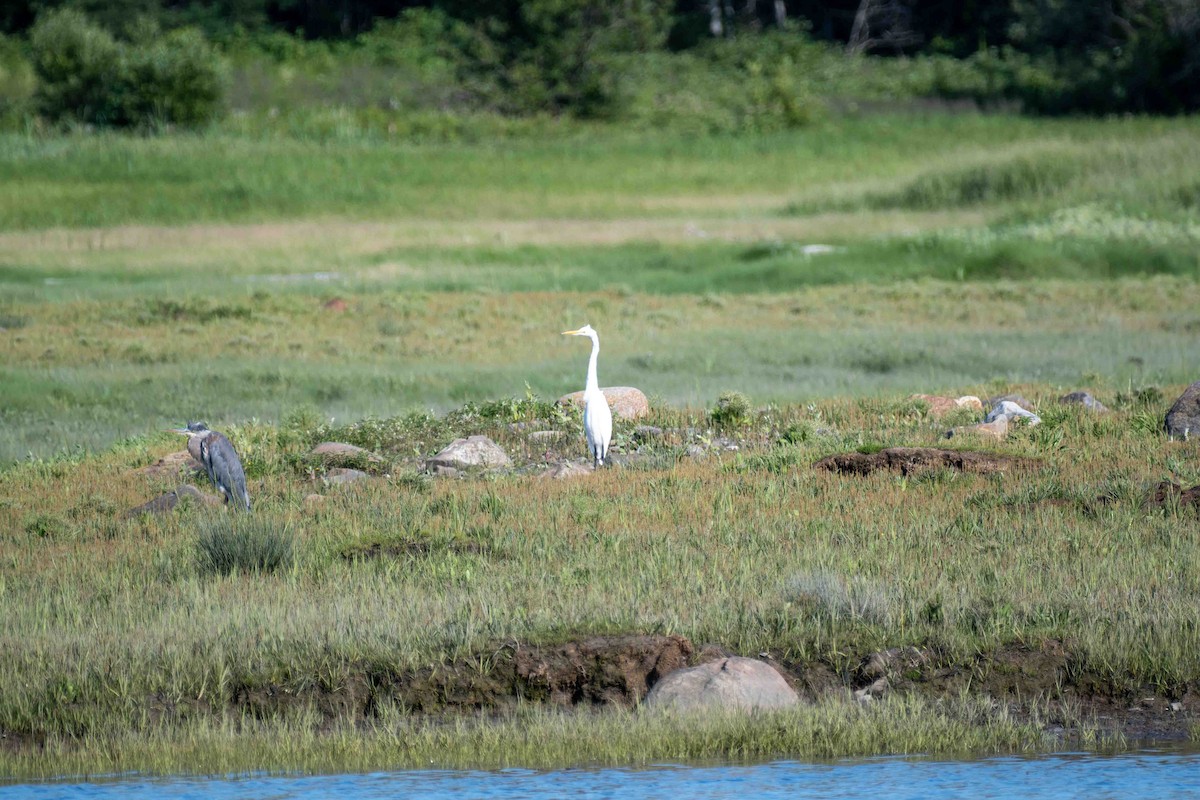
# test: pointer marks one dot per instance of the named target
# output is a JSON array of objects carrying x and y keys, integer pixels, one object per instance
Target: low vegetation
[{"x": 750, "y": 549}]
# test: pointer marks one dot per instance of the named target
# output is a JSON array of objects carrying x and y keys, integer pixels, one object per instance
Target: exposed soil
[
  {"x": 912, "y": 460},
  {"x": 1167, "y": 493},
  {"x": 1041, "y": 682}
]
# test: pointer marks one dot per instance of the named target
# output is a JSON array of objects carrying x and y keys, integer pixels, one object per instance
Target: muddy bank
[
  {"x": 1047, "y": 683},
  {"x": 1044, "y": 683}
]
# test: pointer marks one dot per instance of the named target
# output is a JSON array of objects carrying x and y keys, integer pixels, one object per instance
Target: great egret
[
  {"x": 220, "y": 461},
  {"x": 597, "y": 417}
]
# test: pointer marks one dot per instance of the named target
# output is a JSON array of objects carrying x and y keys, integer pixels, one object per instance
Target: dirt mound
[
  {"x": 1167, "y": 493},
  {"x": 911, "y": 460}
]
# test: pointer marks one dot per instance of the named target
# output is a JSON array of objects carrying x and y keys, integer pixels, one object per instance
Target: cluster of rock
[{"x": 1006, "y": 411}]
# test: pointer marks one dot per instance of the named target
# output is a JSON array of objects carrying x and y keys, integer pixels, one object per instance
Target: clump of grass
[
  {"x": 230, "y": 544},
  {"x": 1015, "y": 179},
  {"x": 732, "y": 411},
  {"x": 831, "y": 596}
]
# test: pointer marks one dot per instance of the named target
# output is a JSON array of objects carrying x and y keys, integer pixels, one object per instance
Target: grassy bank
[
  {"x": 535, "y": 739},
  {"x": 117, "y": 630}
]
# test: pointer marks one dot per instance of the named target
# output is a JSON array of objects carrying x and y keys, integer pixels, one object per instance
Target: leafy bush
[
  {"x": 241, "y": 543},
  {"x": 78, "y": 65},
  {"x": 732, "y": 410},
  {"x": 87, "y": 76}
]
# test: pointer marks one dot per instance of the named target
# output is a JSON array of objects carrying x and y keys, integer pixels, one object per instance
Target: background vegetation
[{"x": 446, "y": 65}]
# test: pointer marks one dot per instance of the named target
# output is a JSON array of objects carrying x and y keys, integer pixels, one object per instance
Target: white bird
[{"x": 597, "y": 416}]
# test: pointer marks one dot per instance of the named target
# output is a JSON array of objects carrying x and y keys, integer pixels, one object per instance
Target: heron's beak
[
  {"x": 570, "y": 333},
  {"x": 184, "y": 431}
]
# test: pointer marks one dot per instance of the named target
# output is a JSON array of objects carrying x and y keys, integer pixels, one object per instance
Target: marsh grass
[
  {"x": 228, "y": 544},
  {"x": 539, "y": 739},
  {"x": 403, "y": 572}
]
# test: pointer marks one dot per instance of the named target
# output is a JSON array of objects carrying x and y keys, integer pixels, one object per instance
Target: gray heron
[
  {"x": 597, "y": 416},
  {"x": 220, "y": 461}
]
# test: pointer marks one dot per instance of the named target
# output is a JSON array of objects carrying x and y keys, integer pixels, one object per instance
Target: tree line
[{"x": 120, "y": 62}]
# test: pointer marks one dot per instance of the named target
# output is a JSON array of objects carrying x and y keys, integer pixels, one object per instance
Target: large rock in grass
[
  {"x": 626, "y": 402},
  {"x": 173, "y": 464},
  {"x": 1183, "y": 418},
  {"x": 474, "y": 451},
  {"x": 1083, "y": 399},
  {"x": 1010, "y": 412},
  {"x": 168, "y": 502},
  {"x": 735, "y": 683},
  {"x": 342, "y": 454}
]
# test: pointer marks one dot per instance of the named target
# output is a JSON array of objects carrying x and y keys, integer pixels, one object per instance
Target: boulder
[
  {"x": 172, "y": 464},
  {"x": 1009, "y": 411},
  {"x": 342, "y": 453},
  {"x": 1019, "y": 399},
  {"x": 340, "y": 475},
  {"x": 474, "y": 451},
  {"x": 727, "y": 683},
  {"x": 626, "y": 402},
  {"x": 940, "y": 406},
  {"x": 1083, "y": 399},
  {"x": 567, "y": 469},
  {"x": 1183, "y": 418},
  {"x": 646, "y": 433},
  {"x": 168, "y": 502}
]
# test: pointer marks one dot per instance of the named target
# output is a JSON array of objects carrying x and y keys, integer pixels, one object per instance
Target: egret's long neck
[{"x": 592, "y": 383}]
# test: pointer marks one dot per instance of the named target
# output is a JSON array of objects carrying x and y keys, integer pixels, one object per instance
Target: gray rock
[
  {"x": 169, "y": 501},
  {"x": 868, "y": 694},
  {"x": 443, "y": 471},
  {"x": 727, "y": 683},
  {"x": 1183, "y": 418},
  {"x": 474, "y": 451},
  {"x": 340, "y": 453},
  {"x": 644, "y": 433},
  {"x": 626, "y": 402},
  {"x": 1083, "y": 399},
  {"x": 1010, "y": 411},
  {"x": 1019, "y": 399},
  {"x": 340, "y": 475},
  {"x": 173, "y": 464},
  {"x": 567, "y": 469}
]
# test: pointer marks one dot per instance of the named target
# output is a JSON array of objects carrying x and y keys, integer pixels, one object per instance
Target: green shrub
[
  {"x": 78, "y": 65},
  {"x": 175, "y": 78},
  {"x": 732, "y": 410},
  {"x": 242, "y": 543},
  {"x": 86, "y": 76}
]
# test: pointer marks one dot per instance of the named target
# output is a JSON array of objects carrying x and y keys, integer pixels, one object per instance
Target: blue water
[{"x": 1157, "y": 775}]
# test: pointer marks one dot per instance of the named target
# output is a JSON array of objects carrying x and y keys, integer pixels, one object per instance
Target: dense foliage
[
  {"x": 87, "y": 76},
  {"x": 733, "y": 64}
]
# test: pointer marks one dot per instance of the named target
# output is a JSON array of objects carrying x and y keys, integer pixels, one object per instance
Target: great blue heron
[
  {"x": 597, "y": 416},
  {"x": 220, "y": 461}
]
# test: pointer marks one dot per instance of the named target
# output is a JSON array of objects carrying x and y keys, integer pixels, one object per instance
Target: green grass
[
  {"x": 114, "y": 632},
  {"x": 537, "y": 739},
  {"x": 973, "y": 254}
]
